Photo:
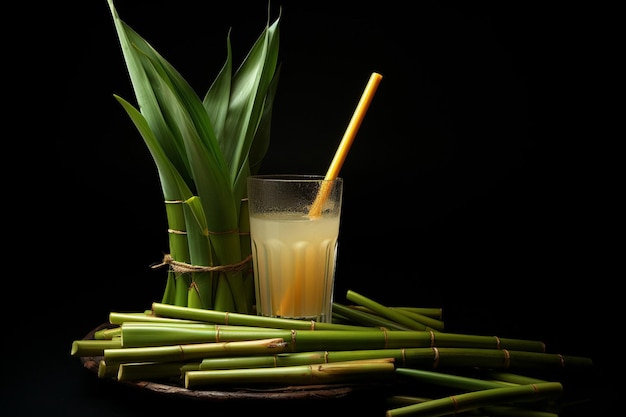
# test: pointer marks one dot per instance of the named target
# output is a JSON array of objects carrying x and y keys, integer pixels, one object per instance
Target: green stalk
[
  {"x": 428, "y": 317},
  {"x": 144, "y": 335},
  {"x": 221, "y": 317},
  {"x": 449, "y": 380},
  {"x": 94, "y": 347},
  {"x": 428, "y": 322},
  {"x": 176, "y": 353},
  {"x": 455, "y": 404},
  {"x": 366, "y": 319},
  {"x": 421, "y": 358},
  {"x": 199, "y": 325},
  {"x": 407, "y": 339},
  {"x": 347, "y": 372},
  {"x": 386, "y": 312},
  {"x": 250, "y": 362},
  {"x": 433, "y": 312},
  {"x": 119, "y": 318},
  {"x": 307, "y": 340},
  {"x": 246, "y": 250},
  {"x": 503, "y": 359},
  {"x": 339, "y": 319},
  {"x": 514, "y": 378},
  {"x": 308, "y": 358},
  {"x": 203, "y": 283},
  {"x": 396, "y": 401},
  {"x": 178, "y": 283}
]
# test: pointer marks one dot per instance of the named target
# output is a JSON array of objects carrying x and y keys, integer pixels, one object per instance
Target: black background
[{"x": 476, "y": 182}]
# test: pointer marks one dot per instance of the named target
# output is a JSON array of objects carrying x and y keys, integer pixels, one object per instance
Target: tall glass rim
[{"x": 293, "y": 178}]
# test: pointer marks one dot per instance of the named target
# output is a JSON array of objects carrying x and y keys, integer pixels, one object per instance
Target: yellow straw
[{"x": 346, "y": 142}]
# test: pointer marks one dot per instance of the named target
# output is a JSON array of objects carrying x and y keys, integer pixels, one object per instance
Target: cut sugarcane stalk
[
  {"x": 450, "y": 380},
  {"x": 89, "y": 347},
  {"x": 119, "y": 318},
  {"x": 428, "y": 322},
  {"x": 422, "y": 358},
  {"x": 306, "y": 340},
  {"x": 433, "y": 312},
  {"x": 221, "y": 317},
  {"x": 366, "y": 318},
  {"x": 340, "y": 372},
  {"x": 188, "y": 352},
  {"x": 394, "y": 315},
  {"x": 469, "y": 401}
]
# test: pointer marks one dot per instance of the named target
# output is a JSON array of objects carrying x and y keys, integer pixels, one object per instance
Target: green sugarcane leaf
[
  {"x": 250, "y": 85},
  {"x": 207, "y": 168},
  {"x": 198, "y": 213},
  {"x": 186, "y": 118},
  {"x": 197, "y": 233},
  {"x": 217, "y": 98},
  {"x": 188, "y": 100},
  {"x": 173, "y": 185},
  {"x": 131, "y": 43},
  {"x": 261, "y": 142}
]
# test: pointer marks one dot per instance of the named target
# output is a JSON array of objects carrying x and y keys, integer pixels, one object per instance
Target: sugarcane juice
[{"x": 294, "y": 264}]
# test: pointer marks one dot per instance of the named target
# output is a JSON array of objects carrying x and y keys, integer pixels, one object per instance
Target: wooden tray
[{"x": 307, "y": 392}]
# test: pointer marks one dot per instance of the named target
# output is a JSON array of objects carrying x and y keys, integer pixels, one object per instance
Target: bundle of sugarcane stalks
[{"x": 402, "y": 348}]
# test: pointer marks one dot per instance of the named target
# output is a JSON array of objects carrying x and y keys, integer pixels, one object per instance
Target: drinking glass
[{"x": 294, "y": 231}]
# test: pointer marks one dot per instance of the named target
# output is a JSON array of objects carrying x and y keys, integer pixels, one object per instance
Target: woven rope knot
[{"x": 178, "y": 266}]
